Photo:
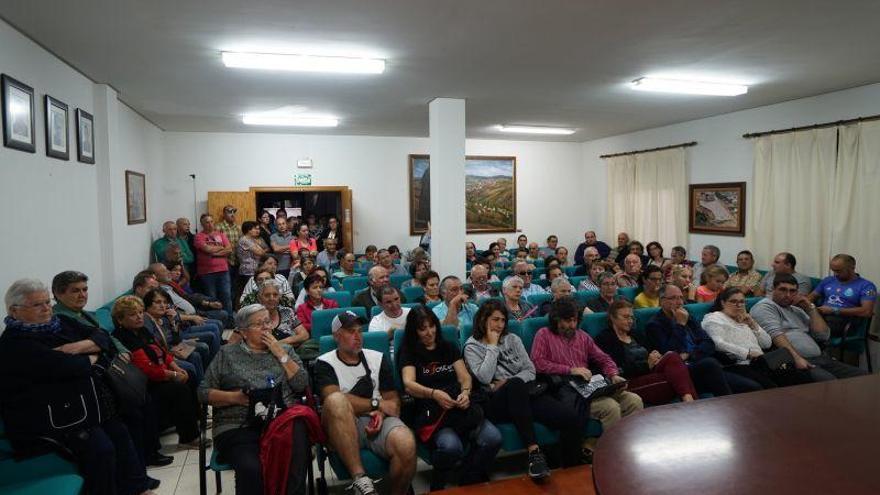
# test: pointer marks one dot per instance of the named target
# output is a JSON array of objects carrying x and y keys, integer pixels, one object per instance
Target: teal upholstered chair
[
  {"x": 322, "y": 318},
  {"x": 354, "y": 284},
  {"x": 342, "y": 297}
]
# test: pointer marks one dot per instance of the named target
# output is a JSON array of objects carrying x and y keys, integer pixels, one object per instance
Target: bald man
[{"x": 169, "y": 229}]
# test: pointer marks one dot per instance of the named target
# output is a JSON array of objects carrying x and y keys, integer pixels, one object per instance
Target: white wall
[
  {"x": 51, "y": 208},
  {"x": 722, "y": 154},
  {"x": 548, "y": 178}
]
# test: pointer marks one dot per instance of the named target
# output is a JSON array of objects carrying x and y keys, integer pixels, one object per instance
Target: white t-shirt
[{"x": 382, "y": 322}]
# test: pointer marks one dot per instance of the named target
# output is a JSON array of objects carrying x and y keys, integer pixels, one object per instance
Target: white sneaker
[{"x": 363, "y": 486}]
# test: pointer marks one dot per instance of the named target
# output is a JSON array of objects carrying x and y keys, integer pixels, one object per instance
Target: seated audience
[
  {"x": 655, "y": 255},
  {"x": 784, "y": 263},
  {"x": 249, "y": 250},
  {"x": 678, "y": 256},
  {"x": 268, "y": 263},
  {"x": 281, "y": 241},
  {"x": 192, "y": 305},
  {"x": 318, "y": 271},
  {"x": 607, "y": 294},
  {"x": 673, "y": 329},
  {"x": 470, "y": 252},
  {"x": 416, "y": 269},
  {"x": 597, "y": 268},
  {"x": 314, "y": 300},
  {"x": 377, "y": 278},
  {"x": 456, "y": 308},
  {"x": 393, "y": 315},
  {"x": 285, "y": 326},
  {"x": 244, "y": 367},
  {"x": 174, "y": 400},
  {"x": 619, "y": 252},
  {"x": 534, "y": 253},
  {"x": 708, "y": 257},
  {"x": 517, "y": 306},
  {"x": 332, "y": 232},
  {"x": 561, "y": 254},
  {"x": 386, "y": 261},
  {"x": 346, "y": 267},
  {"x": 550, "y": 248},
  {"x": 299, "y": 274},
  {"x": 650, "y": 295},
  {"x": 713, "y": 281},
  {"x": 180, "y": 274},
  {"x": 502, "y": 248},
  {"x": 369, "y": 255},
  {"x": 522, "y": 242},
  {"x": 636, "y": 248},
  {"x": 521, "y": 255},
  {"x": 50, "y": 365},
  {"x": 591, "y": 255},
  {"x": 796, "y": 324},
  {"x": 524, "y": 272},
  {"x": 191, "y": 355},
  {"x": 192, "y": 325},
  {"x": 844, "y": 296},
  {"x": 480, "y": 282},
  {"x": 656, "y": 377},
  {"x": 431, "y": 283},
  {"x": 682, "y": 276},
  {"x": 560, "y": 288},
  {"x": 160, "y": 245},
  {"x": 434, "y": 374},
  {"x": 328, "y": 257},
  {"x": 261, "y": 277},
  {"x": 553, "y": 273},
  {"x": 746, "y": 278},
  {"x": 632, "y": 271},
  {"x": 590, "y": 241},
  {"x": 361, "y": 408}
]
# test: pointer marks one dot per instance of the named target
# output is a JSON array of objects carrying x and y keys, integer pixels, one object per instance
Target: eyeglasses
[
  {"x": 738, "y": 302},
  {"x": 655, "y": 279},
  {"x": 529, "y": 273},
  {"x": 36, "y": 305},
  {"x": 262, "y": 323}
]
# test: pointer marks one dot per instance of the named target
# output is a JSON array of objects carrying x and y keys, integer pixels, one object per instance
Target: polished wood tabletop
[
  {"x": 570, "y": 481},
  {"x": 821, "y": 438}
]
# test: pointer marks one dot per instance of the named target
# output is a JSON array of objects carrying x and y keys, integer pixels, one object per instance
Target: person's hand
[
  {"x": 69, "y": 348},
  {"x": 240, "y": 398},
  {"x": 681, "y": 316},
  {"x": 93, "y": 358},
  {"x": 170, "y": 312},
  {"x": 581, "y": 372},
  {"x": 802, "y": 364},
  {"x": 618, "y": 379},
  {"x": 213, "y": 304},
  {"x": 375, "y": 425},
  {"x": 753, "y": 354},
  {"x": 800, "y": 301},
  {"x": 653, "y": 358},
  {"x": 125, "y": 357},
  {"x": 179, "y": 376},
  {"x": 442, "y": 398},
  {"x": 273, "y": 345},
  {"x": 460, "y": 301},
  {"x": 825, "y": 310},
  {"x": 389, "y": 408},
  {"x": 492, "y": 337},
  {"x": 463, "y": 401},
  {"x": 684, "y": 356},
  {"x": 497, "y": 384}
]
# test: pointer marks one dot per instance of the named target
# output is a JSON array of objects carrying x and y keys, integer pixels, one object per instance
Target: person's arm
[
  {"x": 542, "y": 357},
  {"x": 782, "y": 342},
  {"x": 482, "y": 359},
  {"x": 452, "y": 312},
  {"x": 279, "y": 248},
  {"x": 716, "y": 330},
  {"x": 461, "y": 373},
  {"x": 705, "y": 346},
  {"x": 579, "y": 254},
  {"x": 300, "y": 334},
  {"x": 602, "y": 361},
  {"x": 527, "y": 372},
  {"x": 661, "y": 339}
]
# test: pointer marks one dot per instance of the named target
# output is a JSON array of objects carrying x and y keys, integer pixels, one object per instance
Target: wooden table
[
  {"x": 816, "y": 438},
  {"x": 570, "y": 481}
]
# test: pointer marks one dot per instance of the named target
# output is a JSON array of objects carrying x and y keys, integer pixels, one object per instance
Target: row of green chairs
[{"x": 44, "y": 474}]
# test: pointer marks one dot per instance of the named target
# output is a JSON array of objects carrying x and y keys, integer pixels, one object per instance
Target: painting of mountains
[{"x": 490, "y": 193}]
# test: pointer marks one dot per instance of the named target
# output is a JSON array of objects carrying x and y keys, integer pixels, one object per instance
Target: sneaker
[
  {"x": 363, "y": 486},
  {"x": 538, "y": 469}
]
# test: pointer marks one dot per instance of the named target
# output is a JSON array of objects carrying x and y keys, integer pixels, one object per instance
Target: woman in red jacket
[
  {"x": 314, "y": 287},
  {"x": 174, "y": 399}
]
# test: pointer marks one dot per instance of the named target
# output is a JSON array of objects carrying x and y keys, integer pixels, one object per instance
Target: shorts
[{"x": 376, "y": 443}]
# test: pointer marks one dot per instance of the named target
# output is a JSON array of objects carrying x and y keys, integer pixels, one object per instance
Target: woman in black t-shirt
[{"x": 434, "y": 373}]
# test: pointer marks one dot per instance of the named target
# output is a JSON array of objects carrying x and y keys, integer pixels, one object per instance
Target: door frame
[{"x": 347, "y": 220}]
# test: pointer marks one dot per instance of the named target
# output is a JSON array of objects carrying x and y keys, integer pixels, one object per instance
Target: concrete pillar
[{"x": 447, "y": 149}]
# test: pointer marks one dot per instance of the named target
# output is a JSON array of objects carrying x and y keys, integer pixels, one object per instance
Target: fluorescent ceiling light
[
  {"x": 303, "y": 63},
  {"x": 530, "y": 129},
  {"x": 274, "y": 119},
  {"x": 688, "y": 87}
]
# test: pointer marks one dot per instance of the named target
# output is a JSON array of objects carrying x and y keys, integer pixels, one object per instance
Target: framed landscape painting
[
  {"x": 490, "y": 193},
  {"x": 718, "y": 209},
  {"x": 135, "y": 197}
]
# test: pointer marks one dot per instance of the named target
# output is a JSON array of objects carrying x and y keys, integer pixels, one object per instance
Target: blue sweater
[{"x": 667, "y": 335}]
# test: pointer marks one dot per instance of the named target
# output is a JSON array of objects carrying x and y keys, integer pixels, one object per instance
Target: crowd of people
[{"x": 265, "y": 283}]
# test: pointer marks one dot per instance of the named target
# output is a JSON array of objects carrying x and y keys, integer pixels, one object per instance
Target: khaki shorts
[{"x": 376, "y": 443}]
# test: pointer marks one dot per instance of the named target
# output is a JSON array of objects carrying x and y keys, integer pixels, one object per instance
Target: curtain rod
[
  {"x": 814, "y": 126},
  {"x": 682, "y": 145}
]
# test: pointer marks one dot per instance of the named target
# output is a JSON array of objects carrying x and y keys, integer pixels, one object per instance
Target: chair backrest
[
  {"x": 377, "y": 341},
  {"x": 515, "y": 327},
  {"x": 576, "y": 280},
  {"x": 731, "y": 269},
  {"x": 643, "y": 316},
  {"x": 322, "y": 318},
  {"x": 543, "y": 282},
  {"x": 496, "y": 285},
  {"x": 465, "y": 333},
  {"x": 502, "y": 273},
  {"x": 481, "y": 301},
  {"x": 629, "y": 293},
  {"x": 336, "y": 284},
  {"x": 343, "y": 297},
  {"x": 570, "y": 271},
  {"x": 104, "y": 319},
  {"x": 398, "y": 280},
  {"x": 539, "y": 263},
  {"x": 378, "y": 309},
  {"x": 537, "y": 272},
  {"x": 594, "y": 323},
  {"x": 583, "y": 296},
  {"x": 354, "y": 284},
  {"x": 751, "y": 301},
  {"x": 530, "y": 327},
  {"x": 413, "y": 292},
  {"x": 432, "y": 304},
  {"x": 698, "y": 310},
  {"x": 539, "y": 299}
]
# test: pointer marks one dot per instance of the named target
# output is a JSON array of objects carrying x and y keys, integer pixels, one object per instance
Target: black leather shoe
[
  {"x": 152, "y": 483},
  {"x": 160, "y": 460}
]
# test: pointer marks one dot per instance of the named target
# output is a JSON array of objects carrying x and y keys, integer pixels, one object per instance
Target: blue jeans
[
  {"x": 450, "y": 450},
  {"x": 209, "y": 334},
  {"x": 193, "y": 367},
  {"x": 218, "y": 286}
]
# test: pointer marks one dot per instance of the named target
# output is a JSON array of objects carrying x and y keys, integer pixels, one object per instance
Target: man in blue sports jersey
[{"x": 845, "y": 295}]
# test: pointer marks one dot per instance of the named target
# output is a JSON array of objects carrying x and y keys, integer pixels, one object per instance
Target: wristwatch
[
  {"x": 374, "y": 404},
  {"x": 284, "y": 359}
]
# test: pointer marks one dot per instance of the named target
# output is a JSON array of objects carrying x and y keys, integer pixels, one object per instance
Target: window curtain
[
  {"x": 791, "y": 206},
  {"x": 647, "y": 197},
  {"x": 855, "y": 203}
]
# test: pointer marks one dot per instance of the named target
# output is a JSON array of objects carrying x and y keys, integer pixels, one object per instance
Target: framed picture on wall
[
  {"x": 18, "y": 115},
  {"x": 490, "y": 194},
  {"x": 85, "y": 136},
  {"x": 57, "y": 132},
  {"x": 718, "y": 209},
  {"x": 135, "y": 197}
]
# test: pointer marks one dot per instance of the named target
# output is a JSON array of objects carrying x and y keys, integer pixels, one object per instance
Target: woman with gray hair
[
  {"x": 54, "y": 393},
  {"x": 518, "y": 308},
  {"x": 242, "y": 374},
  {"x": 286, "y": 327},
  {"x": 607, "y": 294}
]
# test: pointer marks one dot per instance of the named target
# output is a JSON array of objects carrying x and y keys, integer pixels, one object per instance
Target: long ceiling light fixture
[
  {"x": 303, "y": 63},
  {"x": 531, "y": 129},
  {"x": 270, "y": 119},
  {"x": 688, "y": 87}
]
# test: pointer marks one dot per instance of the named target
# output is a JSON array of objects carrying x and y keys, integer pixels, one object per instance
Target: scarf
[{"x": 52, "y": 326}]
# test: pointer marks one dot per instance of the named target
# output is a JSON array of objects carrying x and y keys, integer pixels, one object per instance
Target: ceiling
[{"x": 550, "y": 62}]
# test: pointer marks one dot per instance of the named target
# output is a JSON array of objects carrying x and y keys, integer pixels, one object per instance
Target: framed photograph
[
  {"x": 490, "y": 193},
  {"x": 135, "y": 197},
  {"x": 718, "y": 209},
  {"x": 57, "y": 132},
  {"x": 18, "y": 115},
  {"x": 85, "y": 136}
]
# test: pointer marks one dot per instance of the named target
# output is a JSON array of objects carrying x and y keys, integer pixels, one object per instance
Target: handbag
[
  {"x": 128, "y": 383},
  {"x": 779, "y": 359},
  {"x": 54, "y": 410}
]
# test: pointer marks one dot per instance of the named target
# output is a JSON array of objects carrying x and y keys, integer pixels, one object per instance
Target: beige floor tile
[{"x": 169, "y": 476}]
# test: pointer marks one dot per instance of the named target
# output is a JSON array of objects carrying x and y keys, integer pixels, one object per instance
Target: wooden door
[
  {"x": 347, "y": 219},
  {"x": 243, "y": 200}
]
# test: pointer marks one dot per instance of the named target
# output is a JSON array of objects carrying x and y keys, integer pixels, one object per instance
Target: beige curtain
[
  {"x": 621, "y": 191},
  {"x": 661, "y": 198},
  {"x": 791, "y": 207},
  {"x": 855, "y": 203}
]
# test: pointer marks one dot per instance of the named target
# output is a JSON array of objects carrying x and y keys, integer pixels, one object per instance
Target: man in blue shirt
[
  {"x": 455, "y": 309},
  {"x": 844, "y": 295}
]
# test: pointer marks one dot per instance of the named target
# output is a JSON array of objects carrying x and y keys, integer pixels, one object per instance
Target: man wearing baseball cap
[{"x": 362, "y": 408}]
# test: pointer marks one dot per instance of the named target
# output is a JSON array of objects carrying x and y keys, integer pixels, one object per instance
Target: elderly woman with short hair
[
  {"x": 258, "y": 362},
  {"x": 518, "y": 308},
  {"x": 286, "y": 327},
  {"x": 175, "y": 401},
  {"x": 52, "y": 373}
]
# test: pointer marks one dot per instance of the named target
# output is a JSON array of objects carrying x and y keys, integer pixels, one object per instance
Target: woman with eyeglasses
[
  {"x": 607, "y": 294},
  {"x": 518, "y": 308},
  {"x": 258, "y": 362},
  {"x": 652, "y": 279},
  {"x": 592, "y": 281}
]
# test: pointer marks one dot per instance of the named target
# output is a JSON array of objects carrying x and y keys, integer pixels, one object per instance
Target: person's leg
[
  {"x": 676, "y": 373},
  {"x": 400, "y": 450},
  {"x": 836, "y": 368},
  {"x": 300, "y": 459},
  {"x": 338, "y": 419},
  {"x": 209, "y": 283},
  {"x": 447, "y": 452},
  {"x": 240, "y": 448},
  {"x": 753, "y": 372},
  {"x": 564, "y": 417},
  {"x": 708, "y": 377},
  {"x": 206, "y": 335},
  {"x": 629, "y": 402},
  {"x": 131, "y": 475},
  {"x": 96, "y": 457},
  {"x": 653, "y": 388},
  {"x": 478, "y": 465},
  {"x": 224, "y": 292},
  {"x": 740, "y": 383},
  {"x": 177, "y": 406},
  {"x": 606, "y": 410},
  {"x": 509, "y": 404}
]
